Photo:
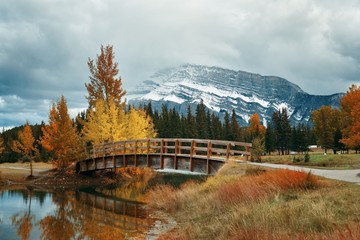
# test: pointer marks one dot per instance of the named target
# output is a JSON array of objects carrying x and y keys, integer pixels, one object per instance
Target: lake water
[{"x": 116, "y": 212}]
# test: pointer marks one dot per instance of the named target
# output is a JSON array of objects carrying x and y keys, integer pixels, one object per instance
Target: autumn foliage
[
  {"x": 2, "y": 148},
  {"x": 104, "y": 84},
  {"x": 25, "y": 144},
  {"x": 255, "y": 128},
  {"x": 108, "y": 123},
  {"x": 106, "y": 119},
  {"x": 350, "y": 105},
  {"x": 60, "y": 136}
]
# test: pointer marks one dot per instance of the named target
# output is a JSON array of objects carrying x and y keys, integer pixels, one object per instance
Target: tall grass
[
  {"x": 279, "y": 204},
  {"x": 255, "y": 188}
]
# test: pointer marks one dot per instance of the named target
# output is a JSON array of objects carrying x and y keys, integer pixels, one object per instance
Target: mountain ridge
[{"x": 225, "y": 89}]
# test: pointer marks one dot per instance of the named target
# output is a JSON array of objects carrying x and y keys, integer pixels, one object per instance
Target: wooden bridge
[{"x": 195, "y": 155}]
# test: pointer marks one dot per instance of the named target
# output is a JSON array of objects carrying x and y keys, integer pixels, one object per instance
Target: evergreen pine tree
[
  {"x": 164, "y": 126},
  {"x": 216, "y": 127},
  {"x": 282, "y": 129},
  {"x": 191, "y": 124},
  {"x": 201, "y": 121},
  {"x": 269, "y": 139},
  {"x": 227, "y": 128},
  {"x": 235, "y": 129},
  {"x": 338, "y": 145},
  {"x": 149, "y": 110}
]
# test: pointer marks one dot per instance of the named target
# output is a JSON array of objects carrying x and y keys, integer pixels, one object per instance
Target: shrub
[
  {"x": 251, "y": 170},
  {"x": 307, "y": 157},
  {"x": 255, "y": 188},
  {"x": 297, "y": 159},
  {"x": 257, "y": 150}
]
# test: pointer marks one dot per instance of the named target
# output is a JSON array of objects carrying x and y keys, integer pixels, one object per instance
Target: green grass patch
[{"x": 332, "y": 161}]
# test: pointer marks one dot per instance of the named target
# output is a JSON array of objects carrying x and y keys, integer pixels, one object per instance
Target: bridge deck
[{"x": 199, "y": 155}]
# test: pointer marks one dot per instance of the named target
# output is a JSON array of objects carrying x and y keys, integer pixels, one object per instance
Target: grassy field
[
  {"x": 317, "y": 159},
  {"x": 19, "y": 171},
  {"x": 243, "y": 202}
]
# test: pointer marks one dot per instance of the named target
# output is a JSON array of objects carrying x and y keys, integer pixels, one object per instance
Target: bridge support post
[
  {"x": 114, "y": 162},
  {"x": 124, "y": 155},
  {"x": 176, "y": 151},
  {"x": 192, "y": 150},
  {"x": 147, "y": 153},
  {"x": 246, "y": 155},
  {"x": 228, "y": 149},
  {"x": 208, "y": 166},
  {"x": 161, "y": 154},
  {"x": 209, "y": 153}
]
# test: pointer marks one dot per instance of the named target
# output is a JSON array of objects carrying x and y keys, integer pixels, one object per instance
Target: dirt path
[
  {"x": 342, "y": 175},
  {"x": 35, "y": 170}
]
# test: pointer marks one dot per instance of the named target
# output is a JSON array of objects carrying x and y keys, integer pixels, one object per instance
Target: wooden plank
[
  {"x": 219, "y": 150},
  {"x": 202, "y": 149},
  {"x": 228, "y": 151},
  {"x": 209, "y": 153}
]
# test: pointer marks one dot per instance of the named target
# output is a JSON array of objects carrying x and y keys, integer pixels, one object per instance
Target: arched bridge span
[{"x": 195, "y": 155}]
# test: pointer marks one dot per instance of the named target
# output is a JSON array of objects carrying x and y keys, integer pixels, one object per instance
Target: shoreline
[{"x": 44, "y": 176}]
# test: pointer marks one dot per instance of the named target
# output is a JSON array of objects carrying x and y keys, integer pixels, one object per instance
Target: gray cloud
[{"x": 44, "y": 45}]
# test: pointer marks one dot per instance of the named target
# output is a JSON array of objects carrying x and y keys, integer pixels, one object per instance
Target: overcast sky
[{"x": 45, "y": 44}]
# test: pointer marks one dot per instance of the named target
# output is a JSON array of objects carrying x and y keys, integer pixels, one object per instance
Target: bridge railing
[{"x": 175, "y": 146}]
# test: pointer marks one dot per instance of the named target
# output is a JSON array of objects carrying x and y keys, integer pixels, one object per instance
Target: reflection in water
[
  {"x": 70, "y": 215},
  {"x": 90, "y": 213},
  {"x": 23, "y": 221}
]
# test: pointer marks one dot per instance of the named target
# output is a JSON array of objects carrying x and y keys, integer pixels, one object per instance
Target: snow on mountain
[{"x": 224, "y": 90}]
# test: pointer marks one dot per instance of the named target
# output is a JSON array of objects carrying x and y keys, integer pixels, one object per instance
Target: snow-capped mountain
[{"x": 224, "y": 90}]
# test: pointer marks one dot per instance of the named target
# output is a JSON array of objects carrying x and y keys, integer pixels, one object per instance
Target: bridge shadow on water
[{"x": 121, "y": 213}]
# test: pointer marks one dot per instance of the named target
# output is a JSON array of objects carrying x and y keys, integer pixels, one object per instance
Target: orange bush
[
  {"x": 255, "y": 188},
  {"x": 349, "y": 232}
]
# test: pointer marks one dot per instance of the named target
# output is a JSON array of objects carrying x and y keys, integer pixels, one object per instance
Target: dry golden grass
[
  {"x": 19, "y": 171},
  {"x": 276, "y": 204}
]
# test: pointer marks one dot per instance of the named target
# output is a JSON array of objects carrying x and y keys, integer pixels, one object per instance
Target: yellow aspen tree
[
  {"x": 109, "y": 123},
  {"x": 60, "y": 137},
  {"x": 104, "y": 83},
  {"x": 116, "y": 118},
  {"x": 94, "y": 128},
  {"x": 139, "y": 125},
  {"x": 104, "y": 123},
  {"x": 25, "y": 144}
]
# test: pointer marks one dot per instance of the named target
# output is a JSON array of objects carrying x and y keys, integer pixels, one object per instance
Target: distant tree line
[
  {"x": 278, "y": 136},
  {"x": 62, "y": 140}
]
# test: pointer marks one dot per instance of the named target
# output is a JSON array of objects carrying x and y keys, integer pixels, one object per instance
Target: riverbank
[
  {"x": 250, "y": 202},
  {"x": 45, "y": 177},
  {"x": 19, "y": 172}
]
